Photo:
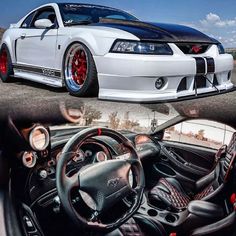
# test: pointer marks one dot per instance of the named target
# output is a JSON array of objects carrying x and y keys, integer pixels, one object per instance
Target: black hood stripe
[{"x": 158, "y": 32}]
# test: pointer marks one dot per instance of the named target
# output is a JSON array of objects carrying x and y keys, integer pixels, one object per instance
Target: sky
[{"x": 216, "y": 18}]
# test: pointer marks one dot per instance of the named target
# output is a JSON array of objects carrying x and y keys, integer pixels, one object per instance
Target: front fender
[{"x": 98, "y": 40}]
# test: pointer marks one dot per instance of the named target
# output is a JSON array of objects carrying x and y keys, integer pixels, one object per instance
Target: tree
[
  {"x": 114, "y": 120},
  {"x": 200, "y": 134},
  {"x": 128, "y": 124},
  {"x": 90, "y": 114}
]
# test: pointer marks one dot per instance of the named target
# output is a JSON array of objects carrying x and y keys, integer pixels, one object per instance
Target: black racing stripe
[
  {"x": 201, "y": 65},
  {"x": 168, "y": 33},
  {"x": 38, "y": 70},
  {"x": 210, "y": 65}
]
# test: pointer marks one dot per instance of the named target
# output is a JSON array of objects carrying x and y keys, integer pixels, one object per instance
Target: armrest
[{"x": 205, "y": 209}]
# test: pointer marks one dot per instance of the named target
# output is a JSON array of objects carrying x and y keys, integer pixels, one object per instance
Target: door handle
[{"x": 23, "y": 36}]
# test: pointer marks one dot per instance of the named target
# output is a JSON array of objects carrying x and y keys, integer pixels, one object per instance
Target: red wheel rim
[
  {"x": 79, "y": 67},
  {"x": 3, "y": 62}
]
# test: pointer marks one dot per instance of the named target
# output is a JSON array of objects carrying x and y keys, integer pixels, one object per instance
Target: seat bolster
[
  {"x": 202, "y": 183},
  {"x": 170, "y": 192},
  {"x": 219, "y": 228},
  {"x": 177, "y": 185}
]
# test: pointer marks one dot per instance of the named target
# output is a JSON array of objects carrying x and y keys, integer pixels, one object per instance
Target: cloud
[
  {"x": 224, "y": 30},
  {"x": 215, "y": 20}
]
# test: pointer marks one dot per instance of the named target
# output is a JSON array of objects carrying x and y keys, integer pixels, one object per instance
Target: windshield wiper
[{"x": 82, "y": 22}]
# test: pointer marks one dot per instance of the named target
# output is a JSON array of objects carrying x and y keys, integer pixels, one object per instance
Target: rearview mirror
[
  {"x": 159, "y": 135},
  {"x": 43, "y": 24}
]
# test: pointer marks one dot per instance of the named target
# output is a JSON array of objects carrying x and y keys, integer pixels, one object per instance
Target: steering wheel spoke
[
  {"x": 132, "y": 161},
  {"x": 72, "y": 181}
]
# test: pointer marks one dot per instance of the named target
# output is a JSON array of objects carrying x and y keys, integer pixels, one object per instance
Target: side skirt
[{"x": 46, "y": 76}]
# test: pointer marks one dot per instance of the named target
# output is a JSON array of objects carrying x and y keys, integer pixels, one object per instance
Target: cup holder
[
  {"x": 171, "y": 218},
  {"x": 152, "y": 212}
]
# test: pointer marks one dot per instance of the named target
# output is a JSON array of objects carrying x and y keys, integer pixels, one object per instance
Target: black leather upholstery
[
  {"x": 204, "y": 209},
  {"x": 170, "y": 193},
  {"x": 219, "y": 228},
  {"x": 139, "y": 226}
]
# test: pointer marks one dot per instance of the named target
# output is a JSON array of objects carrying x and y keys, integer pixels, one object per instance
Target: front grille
[
  {"x": 200, "y": 81},
  {"x": 194, "y": 49}
]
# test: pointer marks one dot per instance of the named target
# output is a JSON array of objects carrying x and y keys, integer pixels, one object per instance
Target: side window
[
  {"x": 48, "y": 13},
  {"x": 27, "y": 21},
  {"x": 200, "y": 132},
  {"x": 117, "y": 17}
]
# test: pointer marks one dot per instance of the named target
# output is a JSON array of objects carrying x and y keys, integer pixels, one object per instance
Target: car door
[
  {"x": 37, "y": 47},
  {"x": 189, "y": 148}
]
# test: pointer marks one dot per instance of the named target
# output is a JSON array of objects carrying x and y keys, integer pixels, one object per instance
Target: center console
[{"x": 197, "y": 214}]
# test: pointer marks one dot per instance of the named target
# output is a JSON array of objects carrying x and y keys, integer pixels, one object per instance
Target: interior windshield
[
  {"x": 133, "y": 118},
  {"x": 77, "y": 13}
]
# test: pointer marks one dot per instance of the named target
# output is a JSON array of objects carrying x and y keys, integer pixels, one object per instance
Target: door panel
[
  {"x": 198, "y": 156},
  {"x": 186, "y": 163},
  {"x": 37, "y": 47}
]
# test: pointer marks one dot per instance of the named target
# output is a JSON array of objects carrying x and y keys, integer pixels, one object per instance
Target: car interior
[{"x": 61, "y": 179}]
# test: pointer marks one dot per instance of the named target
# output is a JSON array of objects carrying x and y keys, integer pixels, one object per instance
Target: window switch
[{"x": 28, "y": 224}]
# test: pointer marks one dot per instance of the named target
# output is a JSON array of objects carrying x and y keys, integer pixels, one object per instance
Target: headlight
[
  {"x": 136, "y": 47},
  {"x": 221, "y": 49}
]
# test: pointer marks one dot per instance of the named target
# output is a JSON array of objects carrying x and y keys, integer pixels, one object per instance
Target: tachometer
[{"x": 39, "y": 138}]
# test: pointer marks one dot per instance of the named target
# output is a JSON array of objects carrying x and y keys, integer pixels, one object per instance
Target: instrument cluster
[{"x": 89, "y": 152}]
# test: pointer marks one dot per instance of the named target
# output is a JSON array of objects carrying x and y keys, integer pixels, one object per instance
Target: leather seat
[
  {"x": 139, "y": 226},
  {"x": 170, "y": 194}
]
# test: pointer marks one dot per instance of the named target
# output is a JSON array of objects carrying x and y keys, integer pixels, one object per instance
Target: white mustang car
[{"x": 97, "y": 50}]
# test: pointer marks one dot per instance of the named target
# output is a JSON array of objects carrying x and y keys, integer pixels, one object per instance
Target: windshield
[
  {"x": 76, "y": 13},
  {"x": 118, "y": 116}
]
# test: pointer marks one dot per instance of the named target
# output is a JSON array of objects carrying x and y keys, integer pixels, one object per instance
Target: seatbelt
[
  {"x": 230, "y": 167},
  {"x": 219, "y": 153}
]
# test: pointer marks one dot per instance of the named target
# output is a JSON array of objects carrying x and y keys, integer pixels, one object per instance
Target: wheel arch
[
  {"x": 7, "y": 42},
  {"x": 65, "y": 50}
]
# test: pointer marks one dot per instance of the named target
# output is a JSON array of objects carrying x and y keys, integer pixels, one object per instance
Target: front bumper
[{"x": 132, "y": 78}]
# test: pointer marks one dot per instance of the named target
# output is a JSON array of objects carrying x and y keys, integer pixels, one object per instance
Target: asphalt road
[{"x": 33, "y": 96}]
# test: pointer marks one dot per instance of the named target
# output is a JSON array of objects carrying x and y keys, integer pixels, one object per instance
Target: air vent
[
  {"x": 200, "y": 81},
  {"x": 183, "y": 85},
  {"x": 215, "y": 81}
]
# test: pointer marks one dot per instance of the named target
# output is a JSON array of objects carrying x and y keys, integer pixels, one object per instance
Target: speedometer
[
  {"x": 101, "y": 156},
  {"x": 39, "y": 138}
]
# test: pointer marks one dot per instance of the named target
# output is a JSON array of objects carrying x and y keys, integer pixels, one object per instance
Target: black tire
[
  {"x": 8, "y": 73},
  {"x": 90, "y": 86}
]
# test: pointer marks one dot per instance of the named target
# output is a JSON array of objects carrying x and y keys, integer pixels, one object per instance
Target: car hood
[{"x": 160, "y": 32}]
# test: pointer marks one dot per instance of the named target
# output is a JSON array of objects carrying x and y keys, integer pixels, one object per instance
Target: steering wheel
[{"x": 105, "y": 183}]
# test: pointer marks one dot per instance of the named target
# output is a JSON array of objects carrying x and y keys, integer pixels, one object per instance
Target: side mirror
[{"x": 43, "y": 24}]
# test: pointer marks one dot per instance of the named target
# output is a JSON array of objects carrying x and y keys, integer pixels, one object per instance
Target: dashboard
[{"x": 41, "y": 148}]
